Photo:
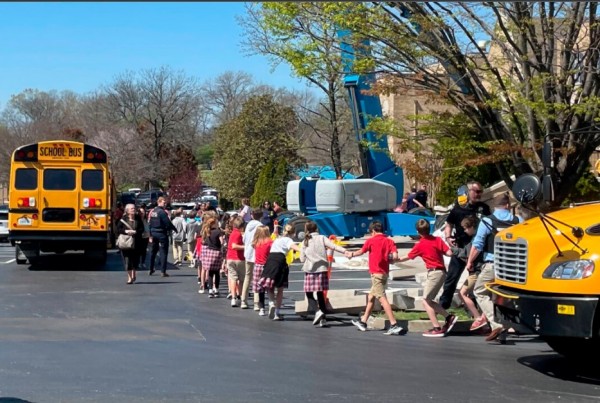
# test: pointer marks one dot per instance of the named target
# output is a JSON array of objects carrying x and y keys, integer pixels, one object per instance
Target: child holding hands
[{"x": 431, "y": 249}]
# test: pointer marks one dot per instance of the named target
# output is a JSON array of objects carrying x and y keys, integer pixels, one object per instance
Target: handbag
[{"x": 125, "y": 241}]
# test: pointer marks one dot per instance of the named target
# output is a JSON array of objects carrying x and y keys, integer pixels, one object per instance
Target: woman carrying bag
[{"x": 131, "y": 224}]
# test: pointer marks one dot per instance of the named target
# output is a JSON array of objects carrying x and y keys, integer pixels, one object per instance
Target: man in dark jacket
[
  {"x": 459, "y": 238},
  {"x": 160, "y": 225}
]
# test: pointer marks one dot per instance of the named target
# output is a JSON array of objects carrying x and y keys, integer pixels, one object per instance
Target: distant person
[
  {"x": 380, "y": 248},
  {"x": 403, "y": 206},
  {"x": 268, "y": 216},
  {"x": 212, "y": 254},
  {"x": 315, "y": 266},
  {"x": 432, "y": 250},
  {"x": 473, "y": 207},
  {"x": 275, "y": 276},
  {"x": 249, "y": 255},
  {"x": 246, "y": 210},
  {"x": 262, "y": 247},
  {"x": 421, "y": 197},
  {"x": 277, "y": 208},
  {"x": 410, "y": 200},
  {"x": 483, "y": 242},
  {"x": 131, "y": 224},
  {"x": 192, "y": 229},
  {"x": 236, "y": 263},
  {"x": 143, "y": 249},
  {"x": 160, "y": 225},
  {"x": 179, "y": 236}
]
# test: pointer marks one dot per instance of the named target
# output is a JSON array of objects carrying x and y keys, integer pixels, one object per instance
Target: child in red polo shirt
[
  {"x": 380, "y": 247},
  {"x": 431, "y": 249}
]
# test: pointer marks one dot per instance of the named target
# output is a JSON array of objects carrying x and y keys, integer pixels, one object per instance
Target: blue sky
[{"x": 81, "y": 46}]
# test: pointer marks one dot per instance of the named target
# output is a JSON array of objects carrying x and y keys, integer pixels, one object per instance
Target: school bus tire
[{"x": 573, "y": 348}]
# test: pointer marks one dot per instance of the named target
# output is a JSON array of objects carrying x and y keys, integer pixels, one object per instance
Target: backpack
[{"x": 496, "y": 226}]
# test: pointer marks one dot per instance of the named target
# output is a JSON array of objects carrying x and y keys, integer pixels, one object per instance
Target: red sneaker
[
  {"x": 479, "y": 323},
  {"x": 435, "y": 333}
]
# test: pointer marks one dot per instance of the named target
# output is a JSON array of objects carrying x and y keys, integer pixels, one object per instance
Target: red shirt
[
  {"x": 431, "y": 249},
  {"x": 235, "y": 238},
  {"x": 261, "y": 251},
  {"x": 379, "y": 247}
]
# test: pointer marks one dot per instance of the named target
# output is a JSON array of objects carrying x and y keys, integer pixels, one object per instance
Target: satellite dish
[{"x": 527, "y": 188}]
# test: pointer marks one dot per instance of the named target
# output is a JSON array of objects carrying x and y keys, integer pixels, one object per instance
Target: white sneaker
[
  {"x": 271, "y": 311},
  {"x": 278, "y": 317},
  {"x": 215, "y": 292},
  {"x": 257, "y": 308},
  {"x": 201, "y": 291},
  {"x": 234, "y": 302},
  {"x": 244, "y": 305},
  {"x": 318, "y": 316},
  {"x": 261, "y": 312},
  {"x": 322, "y": 322},
  {"x": 211, "y": 292}
]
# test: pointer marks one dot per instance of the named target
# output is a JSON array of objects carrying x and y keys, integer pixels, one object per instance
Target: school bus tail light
[
  {"x": 91, "y": 202},
  {"x": 26, "y": 202}
]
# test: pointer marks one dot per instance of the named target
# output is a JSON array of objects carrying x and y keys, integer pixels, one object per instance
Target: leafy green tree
[
  {"x": 264, "y": 188},
  {"x": 243, "y": 145},
  {"x": 280, "y": 179},
  {"x": 534, "y": 80},
  {"x": 302, "y": 35}
]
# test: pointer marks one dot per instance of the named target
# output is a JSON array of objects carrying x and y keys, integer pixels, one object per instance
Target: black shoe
[
  {"x": 151, "y": 272},
  {"x": 165, "y": 275}
]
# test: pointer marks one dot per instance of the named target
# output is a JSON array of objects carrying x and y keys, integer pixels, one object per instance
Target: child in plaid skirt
[
  {"x": 314, "y": 257},
  {"x": 262, "y": 246},
  {"x": 276, "y": 270},
  {"x": 212, "y": 254}
]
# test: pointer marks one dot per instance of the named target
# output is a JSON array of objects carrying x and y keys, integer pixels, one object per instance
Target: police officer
[{"x": 160, "y": 225}]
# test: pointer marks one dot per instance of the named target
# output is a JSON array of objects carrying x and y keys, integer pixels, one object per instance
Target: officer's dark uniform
[{"x": 160, "y": 225}]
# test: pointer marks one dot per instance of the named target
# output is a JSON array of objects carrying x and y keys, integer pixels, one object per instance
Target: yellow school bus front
[{"x": 548, "y": 274}]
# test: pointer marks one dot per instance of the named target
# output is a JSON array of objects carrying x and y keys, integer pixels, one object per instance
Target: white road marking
[{"x": 9, "y": 261}]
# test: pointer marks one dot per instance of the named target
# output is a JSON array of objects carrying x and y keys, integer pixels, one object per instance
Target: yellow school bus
[{"x": 61, "y": 198}]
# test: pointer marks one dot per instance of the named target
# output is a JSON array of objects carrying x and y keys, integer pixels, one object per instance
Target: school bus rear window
[
  {"x": 26, "y": 179},
  {"x": 92, "y": 179},
  {"x": 59, "y": 179}
]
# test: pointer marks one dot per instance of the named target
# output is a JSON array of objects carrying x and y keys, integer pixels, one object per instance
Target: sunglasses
[{"x": 478, "y": 191}]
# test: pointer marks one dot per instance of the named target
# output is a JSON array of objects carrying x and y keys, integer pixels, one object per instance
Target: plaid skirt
[
  {"x": 212, "y": 259},
  {"x": 275, "y": 273},
  {"x": 316, "y": 282},
  {"x": 258, "y": 269}
]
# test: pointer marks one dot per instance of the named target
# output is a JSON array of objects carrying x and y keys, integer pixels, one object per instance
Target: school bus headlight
[{"x": 570, "y": 270}]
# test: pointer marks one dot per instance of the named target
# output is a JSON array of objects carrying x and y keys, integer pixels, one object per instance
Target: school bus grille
[{"x": 510, "y": 261}]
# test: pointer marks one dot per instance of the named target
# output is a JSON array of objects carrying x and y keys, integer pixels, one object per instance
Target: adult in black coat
[{"x": 131, "y": 224}]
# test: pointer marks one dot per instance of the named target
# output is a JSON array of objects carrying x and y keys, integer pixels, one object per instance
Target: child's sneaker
[
  {"x": 244, "y": 305},
  {"x": 478, "y": 323},
  {"x": 229, "y": 296},
  {"x": 394, "y": 329},
  {"x": 318, "y": 316},
  {"x": 201, "y": 291},
  {"x": 211, "y": 292},
  {"x": 362, "y": 326},
  {"x": 450, "y": 322},
  {"x": 257, "y": 308},
  {"x": 234, "y": 303},
  {"x": 278, "y": 317},
  {"x": 215, "y": 293},
  {"x": 261, "y": 312},
  {"x": 435, "y": 333},
  {"x": 271, "y": 311},
  {"x": 323, "y": 322}
]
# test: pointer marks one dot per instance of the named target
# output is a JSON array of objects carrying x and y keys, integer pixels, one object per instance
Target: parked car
[
  {"x": 4, "y": 223},
  {"x": 148, "y": 197},
  {"x": 186, "y": 207},
  {"x": 126, "y": 197}
]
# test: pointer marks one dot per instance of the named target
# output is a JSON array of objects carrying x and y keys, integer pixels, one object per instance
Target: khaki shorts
[
  {"x": 236, "y": 269},
  {"x": 470, "y": 281},
  {"x": 433, "y": 284},
  {"x": 378, "y": 285}
]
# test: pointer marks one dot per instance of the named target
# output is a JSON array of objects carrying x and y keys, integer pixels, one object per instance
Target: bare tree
[{"x": 161, "y": 106}]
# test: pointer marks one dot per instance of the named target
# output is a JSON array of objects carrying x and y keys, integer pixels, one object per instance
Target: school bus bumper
[{"x": 546, "y": 314}]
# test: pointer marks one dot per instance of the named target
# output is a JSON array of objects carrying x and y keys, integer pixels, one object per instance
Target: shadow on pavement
[
  {"x": 557, "y": 366},
  {"x": 76, "y": 262}
]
